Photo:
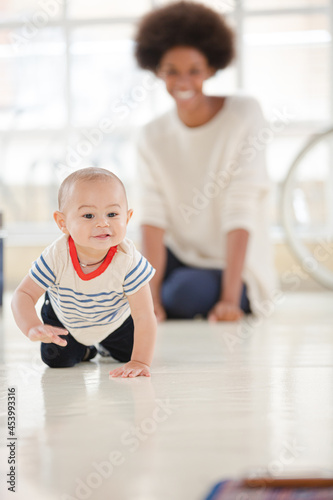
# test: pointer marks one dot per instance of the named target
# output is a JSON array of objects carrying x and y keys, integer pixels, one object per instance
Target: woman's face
[{"x": 184, "y": 70}]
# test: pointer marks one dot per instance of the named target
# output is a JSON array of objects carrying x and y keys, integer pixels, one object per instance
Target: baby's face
[{"x": 96, "y": 215}]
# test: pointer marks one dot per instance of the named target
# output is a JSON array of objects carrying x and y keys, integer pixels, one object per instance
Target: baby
[{"x": 96, "y": 282}]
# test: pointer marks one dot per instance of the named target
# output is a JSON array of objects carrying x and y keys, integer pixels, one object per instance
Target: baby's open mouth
[{"x": 102, "y": 236}]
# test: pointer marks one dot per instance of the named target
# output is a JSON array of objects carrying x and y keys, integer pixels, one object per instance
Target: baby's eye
[
  {"x": 88, "y": 216},
  {"x": 112, "y": 214}
]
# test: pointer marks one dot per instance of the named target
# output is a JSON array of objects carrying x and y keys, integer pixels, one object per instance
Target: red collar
[{"x": 76, "y": 263}]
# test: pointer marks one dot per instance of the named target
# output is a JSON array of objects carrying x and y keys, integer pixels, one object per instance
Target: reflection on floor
[{"x": 222, "y": 399}]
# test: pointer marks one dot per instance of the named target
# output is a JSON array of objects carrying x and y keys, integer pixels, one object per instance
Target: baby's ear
[
  {"x": 129, "y": 214},
  {"x": 59, "y": 217}
]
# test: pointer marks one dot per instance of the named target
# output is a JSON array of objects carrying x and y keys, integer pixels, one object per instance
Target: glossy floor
[{"x": 222, "y": 399}]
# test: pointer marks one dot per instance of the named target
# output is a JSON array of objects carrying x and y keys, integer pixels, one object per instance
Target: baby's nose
[{"x": 103, "y": 222}]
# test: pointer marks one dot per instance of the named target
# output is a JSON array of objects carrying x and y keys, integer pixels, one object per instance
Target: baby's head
[
  {"x": 89, "y": 175},
  {"x": 93, "y": 208}
]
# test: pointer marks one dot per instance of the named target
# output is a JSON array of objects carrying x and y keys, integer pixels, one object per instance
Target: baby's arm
[
  {"x": 23, "y": 307},
  {"x": 145, "y": 325}
]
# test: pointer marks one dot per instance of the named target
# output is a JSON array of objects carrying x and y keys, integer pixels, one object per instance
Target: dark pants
[
  {"x": 190, "y": 291},
  {"x": 119, "y": 343}
]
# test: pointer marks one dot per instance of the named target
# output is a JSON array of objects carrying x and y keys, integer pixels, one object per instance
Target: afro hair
[{"x": 184, "y": 24}]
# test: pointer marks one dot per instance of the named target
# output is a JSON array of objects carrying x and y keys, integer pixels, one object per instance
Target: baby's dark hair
[
  {"x": 84, "y": 174},
  {"x": 184, "y": 24}
]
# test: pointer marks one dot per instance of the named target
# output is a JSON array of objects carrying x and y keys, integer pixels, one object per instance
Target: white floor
[{"x": 222, "y": 399}]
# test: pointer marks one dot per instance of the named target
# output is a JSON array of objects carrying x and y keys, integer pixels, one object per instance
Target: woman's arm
[
  {"x": 142, "y": 311},
  {"x": 232, "y": 284},
  {"x": 154, "y": 250},
  {"x": 228, "y": 307}
]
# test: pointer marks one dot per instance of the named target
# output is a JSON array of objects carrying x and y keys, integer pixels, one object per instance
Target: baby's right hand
[{"x": 47, "y": 334}]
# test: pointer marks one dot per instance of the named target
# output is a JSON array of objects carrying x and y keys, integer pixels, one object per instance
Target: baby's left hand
[{"x": 131, "y": 369}]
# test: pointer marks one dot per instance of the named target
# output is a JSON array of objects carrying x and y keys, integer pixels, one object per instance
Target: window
[{"x": 71, "y": 94}]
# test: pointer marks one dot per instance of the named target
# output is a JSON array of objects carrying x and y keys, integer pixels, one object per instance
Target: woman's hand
[
  {"x": 131, "y": 369},
  {"x": 225, "y": 311}
]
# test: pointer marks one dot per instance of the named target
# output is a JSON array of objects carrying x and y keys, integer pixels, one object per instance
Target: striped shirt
[{"x": 91, "y": 306}]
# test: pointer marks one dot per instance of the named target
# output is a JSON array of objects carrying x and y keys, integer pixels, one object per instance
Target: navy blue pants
[
  {"x": 119, "y": 343},
  {"x": 190, "y": 291}
]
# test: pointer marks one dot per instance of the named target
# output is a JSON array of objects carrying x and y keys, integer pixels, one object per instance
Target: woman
[{"x": 203, "y": 176}]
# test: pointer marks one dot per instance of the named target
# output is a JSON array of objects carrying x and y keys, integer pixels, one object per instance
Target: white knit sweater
[{"x": 200, "y": 183}]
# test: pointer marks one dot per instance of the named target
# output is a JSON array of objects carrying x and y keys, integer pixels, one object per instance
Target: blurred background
[{"x": 71, "y": 95}]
